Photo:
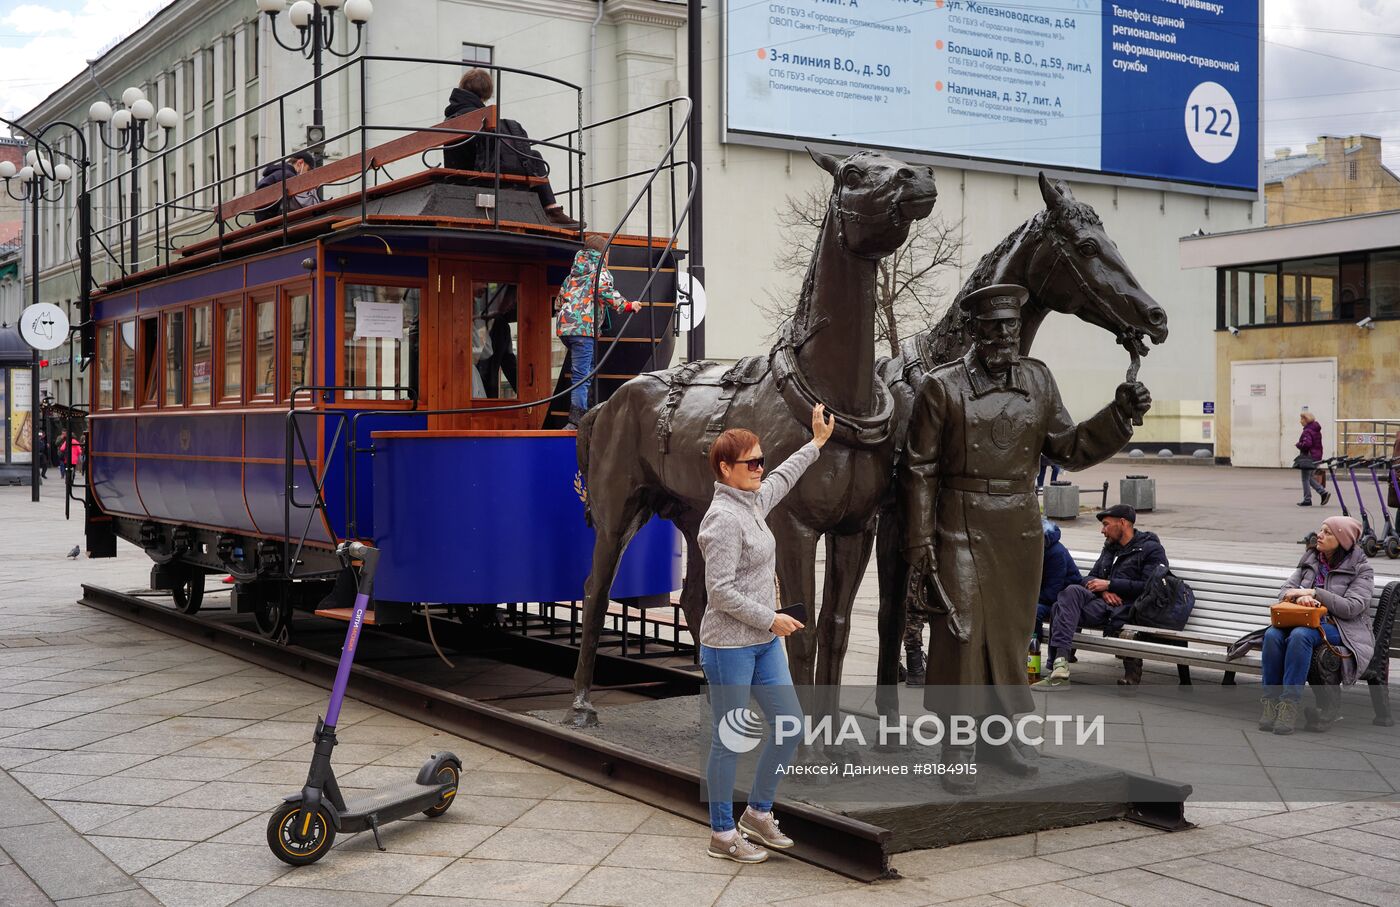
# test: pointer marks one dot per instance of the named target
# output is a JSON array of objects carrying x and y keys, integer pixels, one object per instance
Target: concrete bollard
[
  {"x": 1138, "y": 492},
  {"x": 1061, "y": 501}
]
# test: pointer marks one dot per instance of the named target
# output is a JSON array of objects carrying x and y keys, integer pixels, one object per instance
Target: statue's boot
[
  {"x": 1329, "y": 708},
  {"x": 1014, "y": 756},
  {"x": 959, "y": 763}
]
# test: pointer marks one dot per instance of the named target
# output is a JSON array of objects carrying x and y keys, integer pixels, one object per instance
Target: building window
[
  {"x": 250, "y": 58},
  {"x": 478, "y": 54},
  {"x": 175, "y": 358},
  {"x": 1353, "y": 170},
  {"x": 202, "y": 354},
  {"x": 381, "y": 340},
  {"x": 1384, "y": 283},
  {"x": 1251, "y": 296},
  {"x": 230, "y": 61},
  {"x": 231, "y": 334},
  {"x": 1309, "y": 290},
  {"x": 264, "y": 347},
  {"x": 206, "y": 57}
]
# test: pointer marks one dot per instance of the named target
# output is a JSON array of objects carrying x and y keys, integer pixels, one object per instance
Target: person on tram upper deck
[
  {"x": 478, "y": 153},
  {"x": 577, "y": 325},
  {"x": 278, "y": 171}
]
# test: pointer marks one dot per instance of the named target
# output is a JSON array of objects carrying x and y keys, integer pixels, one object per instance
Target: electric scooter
[
  {"x": 303, "y": 828},
  {"x": 1391, "y": 540},
  {"x": 1310, "y": 540},
  {"x": 1369, "y": 543}
]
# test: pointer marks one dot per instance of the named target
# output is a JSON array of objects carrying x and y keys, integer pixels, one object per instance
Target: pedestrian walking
[
  {"x": 740, "y": 650},
  {"x": 1309, "y": 446}
]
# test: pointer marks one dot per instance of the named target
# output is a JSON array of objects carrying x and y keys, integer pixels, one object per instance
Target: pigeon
[{"x": 75, "y": 552}]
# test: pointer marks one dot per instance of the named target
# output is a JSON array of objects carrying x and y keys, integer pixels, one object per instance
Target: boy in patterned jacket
[{"x": 575, "y": 325}]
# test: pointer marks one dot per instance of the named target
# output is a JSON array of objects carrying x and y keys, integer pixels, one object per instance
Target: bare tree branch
[{"x": 909, "y": 286}]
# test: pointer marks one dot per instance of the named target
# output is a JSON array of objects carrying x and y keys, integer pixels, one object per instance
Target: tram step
[{"x": 344, "y": 614}]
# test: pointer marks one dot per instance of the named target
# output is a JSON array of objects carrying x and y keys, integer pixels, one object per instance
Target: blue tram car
[{"x": 379, "y": 366}]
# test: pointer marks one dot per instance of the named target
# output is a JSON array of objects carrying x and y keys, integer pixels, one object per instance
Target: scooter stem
[{"x": 370, "y": 558}]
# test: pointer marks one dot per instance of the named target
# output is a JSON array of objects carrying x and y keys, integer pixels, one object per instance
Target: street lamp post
[
  {"x": 315, "y": 24},
  {"x": 129, "y": 123},
  {"x": 40, "y": 178}
]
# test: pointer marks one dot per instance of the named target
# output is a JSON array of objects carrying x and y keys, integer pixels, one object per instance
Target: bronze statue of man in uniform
[{"x": 973, "y": 535}]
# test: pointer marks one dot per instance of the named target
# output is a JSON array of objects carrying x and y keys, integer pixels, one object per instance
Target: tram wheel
[
  {"x": 273, "y": 618},
  {"x": 189, "y": 593},
  {"x": 317, "y": 834}
]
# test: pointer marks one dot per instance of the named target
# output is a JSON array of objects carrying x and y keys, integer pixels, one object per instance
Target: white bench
[{"x": 1231, "y": 600}]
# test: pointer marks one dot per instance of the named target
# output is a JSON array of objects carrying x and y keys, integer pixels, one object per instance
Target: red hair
[{"x": 729, "y": 447}]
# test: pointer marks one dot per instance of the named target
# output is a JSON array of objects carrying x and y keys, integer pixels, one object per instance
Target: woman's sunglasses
[{"x": 754, "y": 464}]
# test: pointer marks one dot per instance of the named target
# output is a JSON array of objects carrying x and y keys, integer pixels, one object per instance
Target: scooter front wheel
[
  {"x": 300, "y": 836},
  {"x": 448, "y": 773},
  {"x": 1392, "y": 547}
]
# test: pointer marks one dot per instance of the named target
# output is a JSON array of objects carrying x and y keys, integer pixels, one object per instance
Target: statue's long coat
[{"x": 971, "y": 430}]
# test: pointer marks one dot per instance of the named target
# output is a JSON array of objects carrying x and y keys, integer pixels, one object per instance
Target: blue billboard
[{"x": 1162, "y": 89}]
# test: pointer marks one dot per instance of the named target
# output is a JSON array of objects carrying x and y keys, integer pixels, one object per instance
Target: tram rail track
[{"x": 856, "y": 849}]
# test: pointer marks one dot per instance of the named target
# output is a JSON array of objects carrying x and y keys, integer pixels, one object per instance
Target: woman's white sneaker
[
  {"x": 764, "y": 827},
  {"x": 734, "y": 846}
]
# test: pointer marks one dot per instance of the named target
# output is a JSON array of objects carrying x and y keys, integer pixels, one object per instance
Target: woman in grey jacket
[
  {"x": 1337, "y": 575},
  {"x": 739, "y": 647}
]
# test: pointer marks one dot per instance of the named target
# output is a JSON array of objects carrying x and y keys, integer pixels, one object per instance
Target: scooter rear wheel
[
  {"x": 315, "y": 827},
  {"x": 1371, "y": 546},
  {"x": 447, "y": 774},
  {"x": 1392, "y": 547}
]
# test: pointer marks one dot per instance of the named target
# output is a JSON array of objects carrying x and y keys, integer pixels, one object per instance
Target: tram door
[{"x": 490, "y": 345}]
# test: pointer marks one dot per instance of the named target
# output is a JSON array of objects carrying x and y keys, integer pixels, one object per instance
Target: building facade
[
  {"x": 215, "y": 58},
  {"x": 1307, "y": 318},
  {"x": 1337, "y": 176}
]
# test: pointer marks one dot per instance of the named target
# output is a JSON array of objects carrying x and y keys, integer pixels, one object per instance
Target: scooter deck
[{"x": 389, "y": 804}]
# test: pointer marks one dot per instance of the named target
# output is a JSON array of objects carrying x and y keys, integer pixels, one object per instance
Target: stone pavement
[{"x": 142, "y": 767}]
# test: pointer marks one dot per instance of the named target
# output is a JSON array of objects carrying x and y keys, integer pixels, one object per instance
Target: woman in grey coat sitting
[
  {"x": 739, "y": 636},
  {"x": 1337, "y": 575}
]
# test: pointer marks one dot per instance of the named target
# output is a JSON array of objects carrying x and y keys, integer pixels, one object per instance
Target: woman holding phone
[{"x": 739, "y": 647}]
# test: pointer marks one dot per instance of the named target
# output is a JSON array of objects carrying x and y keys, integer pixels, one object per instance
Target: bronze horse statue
[
  {"x": 1063, "y": 256},
  {"x": 643, "y": 451}
]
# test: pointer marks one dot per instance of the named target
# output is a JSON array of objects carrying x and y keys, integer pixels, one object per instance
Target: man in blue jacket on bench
[{"x": 1103, "y": 600}]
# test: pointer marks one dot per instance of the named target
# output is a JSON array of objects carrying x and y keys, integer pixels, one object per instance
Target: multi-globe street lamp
[
  {"x": 129, "y": 123},
  {"x": 315, "y": 24}
]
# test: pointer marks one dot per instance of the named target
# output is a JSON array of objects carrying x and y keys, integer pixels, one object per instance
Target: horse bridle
[
  {"x": 1126, "y": 332},
  {"x": 841, "y": 213}
]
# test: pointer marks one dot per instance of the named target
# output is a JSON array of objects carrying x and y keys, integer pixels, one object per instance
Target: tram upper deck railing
[{"x": 184, "y": 213}]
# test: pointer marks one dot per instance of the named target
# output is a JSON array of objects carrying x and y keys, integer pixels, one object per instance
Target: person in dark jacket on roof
[
  {"x": 1057, "y": 571},
  {"x": 1115, "y": 581},
  {"x": 517, "y": 155},
  {"x": 280, "y": 171}
]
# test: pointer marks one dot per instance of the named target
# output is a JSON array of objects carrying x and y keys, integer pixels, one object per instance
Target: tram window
[
  {"x": 126, "y": 364},
  {"x": 202, "y": 360},
  {"x": 104, "y": 367},
  {"x": 175, "y": 358},
  {"x": 265, "y": 349},
  {"x": 381, "y": 340},
  {"x": 495, "y": 341},
  {"x": 299, "y": 342},
  {"x": 150, "y": 361},
  {"x": 231, "y": 329}
]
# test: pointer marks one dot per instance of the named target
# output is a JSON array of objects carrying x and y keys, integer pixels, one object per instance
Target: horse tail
[{"x": 585, "y": 435}]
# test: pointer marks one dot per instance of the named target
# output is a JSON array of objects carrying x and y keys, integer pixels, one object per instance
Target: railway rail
[{"x": 839, "y": 843}]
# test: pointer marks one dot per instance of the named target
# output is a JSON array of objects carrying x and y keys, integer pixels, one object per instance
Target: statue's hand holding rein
[{"x": 1133, "y": 399}]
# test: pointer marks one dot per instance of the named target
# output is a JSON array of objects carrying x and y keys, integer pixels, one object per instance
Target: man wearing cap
[
  {"x": 972, "y": 520},
  {"x": 1118, "y": 577}
]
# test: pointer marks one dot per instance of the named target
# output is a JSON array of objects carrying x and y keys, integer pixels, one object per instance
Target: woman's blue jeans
[
  {"x": 732, "y": 675},
  {"x": 1288, "y": 655},
  {"x": 580, "y": 364}
]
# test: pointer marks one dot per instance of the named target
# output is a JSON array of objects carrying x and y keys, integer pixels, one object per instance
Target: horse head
[
  {"x": 1078, "y": 270},
  {"x": 875, "y": 199}
]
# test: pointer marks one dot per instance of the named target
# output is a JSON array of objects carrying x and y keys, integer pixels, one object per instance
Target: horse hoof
[{"x": 581, "y": 718}]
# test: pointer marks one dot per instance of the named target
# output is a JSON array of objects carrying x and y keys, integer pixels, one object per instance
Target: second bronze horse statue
[{"x": 643, "y": 451}]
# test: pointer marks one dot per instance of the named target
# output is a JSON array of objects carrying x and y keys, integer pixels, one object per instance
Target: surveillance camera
[
  {"x": 1234, "y": 331},
  {"x": 1367, "y": 324}
]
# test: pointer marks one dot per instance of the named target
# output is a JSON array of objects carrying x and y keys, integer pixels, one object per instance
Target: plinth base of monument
[{"x": 898, "y": 788}]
